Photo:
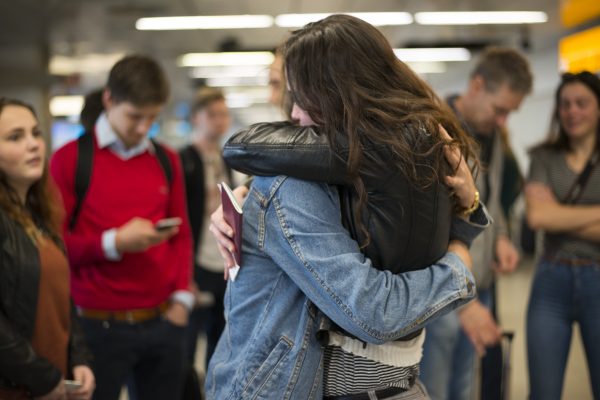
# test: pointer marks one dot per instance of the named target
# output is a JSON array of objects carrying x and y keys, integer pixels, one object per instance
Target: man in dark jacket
[
  {"x": 203, "y": 169},
  {"x": 498, "y": 84}
]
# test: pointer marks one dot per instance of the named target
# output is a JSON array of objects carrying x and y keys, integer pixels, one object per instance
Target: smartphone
[
  {"x": 167, "y": 223},
  {"x": 72, "y": 385}
]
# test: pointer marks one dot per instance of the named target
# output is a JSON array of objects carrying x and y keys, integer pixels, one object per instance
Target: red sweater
[{"x": 120, "y": 190}]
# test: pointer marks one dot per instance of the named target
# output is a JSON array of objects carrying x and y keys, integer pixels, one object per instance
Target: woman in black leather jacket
[
  {"x": 370, "y": 125},
  {"x": 40, "y": 343}
]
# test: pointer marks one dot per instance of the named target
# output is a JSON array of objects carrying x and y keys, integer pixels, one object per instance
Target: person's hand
[
  {"x": 223, "y": 233},
  {"x": 138, "y": 234},
  {"x": 478, "y": 324},
  {"x": 461, "y": 183},
  {"x": 177, "y": 314},
  {"x": 539, "y": 192},
  {"x": 58, "y": 393},
  {"x": 462, "y": 251},
  {"x": 507, "y": 255},
  {"x": 83, "y": 374}
]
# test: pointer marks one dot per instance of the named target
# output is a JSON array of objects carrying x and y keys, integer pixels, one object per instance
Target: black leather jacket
[
  {"x": 409, "y": 228},
  {"x": 19, "y": 285}
]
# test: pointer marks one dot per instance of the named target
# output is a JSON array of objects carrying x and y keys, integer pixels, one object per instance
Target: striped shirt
[
  {"x": 549, "y": 166},
  {"x": 351, "y": 366}
]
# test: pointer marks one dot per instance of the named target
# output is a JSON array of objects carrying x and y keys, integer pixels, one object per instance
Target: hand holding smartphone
[
  {"x": 72, "y": 386},
  {"x": 167, "y": 223}
]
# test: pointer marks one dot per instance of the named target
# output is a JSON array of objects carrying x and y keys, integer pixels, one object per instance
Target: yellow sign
[
  {"x": 580, "y": 51},
  {"x": 576, "y": 12}
]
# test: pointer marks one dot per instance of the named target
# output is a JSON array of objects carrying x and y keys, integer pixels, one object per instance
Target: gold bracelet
[{"x": 468, "y": 211}]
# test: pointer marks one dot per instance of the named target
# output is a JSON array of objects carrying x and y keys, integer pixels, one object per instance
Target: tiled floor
[{"x": 513, "y": 294}]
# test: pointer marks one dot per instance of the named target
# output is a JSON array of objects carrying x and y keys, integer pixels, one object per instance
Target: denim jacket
[{"x": 300, "y": 265}]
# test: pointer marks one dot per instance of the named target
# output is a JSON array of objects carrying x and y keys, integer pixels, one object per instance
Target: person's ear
[
  {"x": 477, "y": 84},
  {"x": 107, "y": 100}
]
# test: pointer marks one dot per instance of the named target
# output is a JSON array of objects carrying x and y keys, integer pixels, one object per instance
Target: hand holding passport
[{"x": 232, "y": 213}]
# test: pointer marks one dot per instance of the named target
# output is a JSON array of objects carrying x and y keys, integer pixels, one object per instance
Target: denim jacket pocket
[{"x": 259, "y": 384}]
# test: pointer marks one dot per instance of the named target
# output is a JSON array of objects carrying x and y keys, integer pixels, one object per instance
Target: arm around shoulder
[
  {"x": 282, "y": 148},
  {"x": 313, "y": 248}
]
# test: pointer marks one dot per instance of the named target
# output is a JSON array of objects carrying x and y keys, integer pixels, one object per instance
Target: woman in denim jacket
[{"x": 299, "y": 262}]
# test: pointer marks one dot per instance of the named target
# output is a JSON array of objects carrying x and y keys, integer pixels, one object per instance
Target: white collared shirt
[{"x": 107, "y": 137}]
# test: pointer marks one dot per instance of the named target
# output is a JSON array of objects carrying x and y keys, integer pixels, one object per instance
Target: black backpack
[{"x": 85, "y": 162}]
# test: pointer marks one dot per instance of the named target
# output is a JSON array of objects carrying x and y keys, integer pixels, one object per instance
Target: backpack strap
[
  {"x": 85, "y": 161},
  {"x": 83, "y": 172},
  {"x": 163, "y": 159}
]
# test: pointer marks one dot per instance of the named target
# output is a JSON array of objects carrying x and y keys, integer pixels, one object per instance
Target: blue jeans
[
  {"x": 448, "y": 364},
  {"x": 149, "y": 355},
  {"x": 561, "y": 295}
]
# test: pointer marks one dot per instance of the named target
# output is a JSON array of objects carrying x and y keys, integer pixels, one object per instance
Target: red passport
[{"x": 232, "y": 212}]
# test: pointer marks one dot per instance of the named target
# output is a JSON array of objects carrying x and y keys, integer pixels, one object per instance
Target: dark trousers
[
  {"x": 150, "y": 353},
  {"x": 491, "y": 363},
  {"x": 210, "y": 319}
]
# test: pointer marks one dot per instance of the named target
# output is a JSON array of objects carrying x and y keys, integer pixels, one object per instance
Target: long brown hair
[
  {"x": 557, "y": 136},
  {"x": 40, "y": 211},
  {"x": 343, "y": 72}
]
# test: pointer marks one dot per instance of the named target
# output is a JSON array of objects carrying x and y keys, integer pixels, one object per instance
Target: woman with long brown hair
[
  {"x": 40, "y": 344},
  {"x": 563, "y": 200},
  {"x": 308, "y": 315}
]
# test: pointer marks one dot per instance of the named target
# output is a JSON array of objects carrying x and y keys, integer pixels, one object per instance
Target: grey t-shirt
[{"x": 549, "y": 166}]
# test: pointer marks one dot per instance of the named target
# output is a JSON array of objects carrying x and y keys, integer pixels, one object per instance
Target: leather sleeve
[
  {"x": 20, "y": 364},
  {"x": 281, "y": 148},
  {"x": 466, "y": 230},
  {"x": 79, "y": 353}
]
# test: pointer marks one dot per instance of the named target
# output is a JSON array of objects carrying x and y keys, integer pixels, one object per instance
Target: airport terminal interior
[{"x": 54, "y": 52}]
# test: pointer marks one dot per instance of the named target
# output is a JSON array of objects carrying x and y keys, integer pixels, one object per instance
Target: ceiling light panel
[
  {"x": 61, "y": 106},
  {"x": 227, "y": 58},
  {"x": 204, "y": 22},
  {"x": 433, "y": 54},
  {"x": 234, "y": 71},
  {"x": 481, "y": 17},
  {"x": 374, "y": 18}
]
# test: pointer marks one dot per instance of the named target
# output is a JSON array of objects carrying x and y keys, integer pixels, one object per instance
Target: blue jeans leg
[
  {"x": 448, "y": 364},
  {"x": 549, "y": 328},
  {"x": 587, "y": 283}
]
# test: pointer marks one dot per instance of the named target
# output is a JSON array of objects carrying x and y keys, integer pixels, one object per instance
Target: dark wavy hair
[
  {"x": 138, "y": 79},
  {"x": 41, "y": 210},
  {"x": 557, "y": 136},
  {"x": 343, "y": 72}
]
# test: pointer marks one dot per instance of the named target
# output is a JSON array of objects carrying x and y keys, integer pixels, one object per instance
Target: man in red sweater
[{"x": 130, "y": 281}]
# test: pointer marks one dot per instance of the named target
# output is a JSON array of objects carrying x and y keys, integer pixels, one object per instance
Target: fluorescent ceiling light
[
  {"x": 231, "y": 58},
  {"x": 481, "y": 17},
  {"x": 374, "y": 18},
  {"x": 231, "y": 81},
  {"x": 63, "y": 106},
  {"x": 91, "y": 63},
  {"x": 235, "y": 71},
  {"x": 433, "y": 54},
  {"x": 204, "y": 22},
  {"x": 430, "y": 67}
]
